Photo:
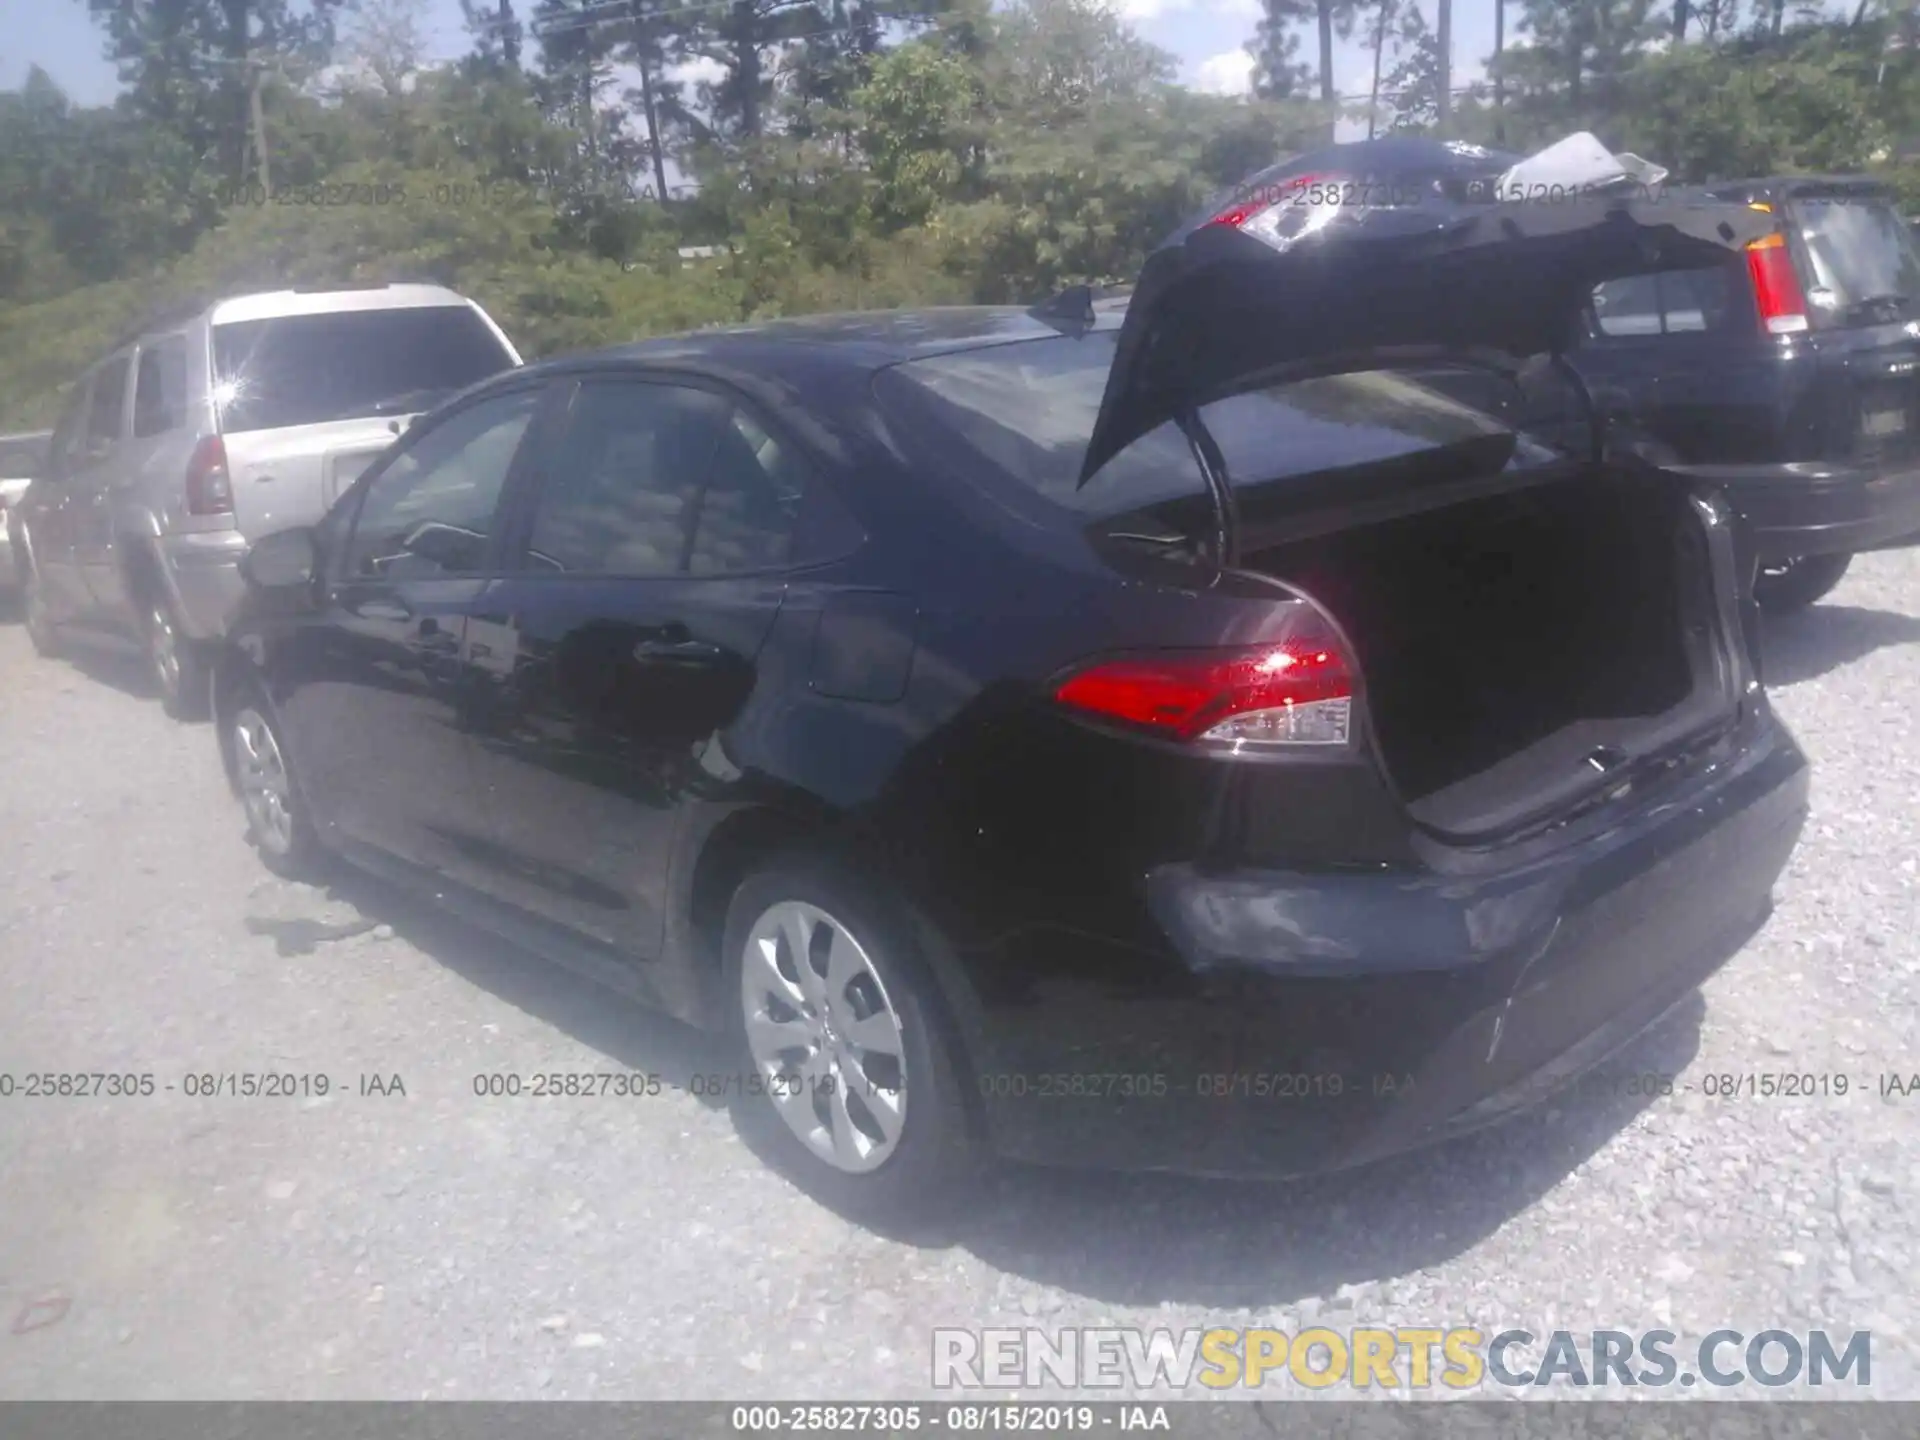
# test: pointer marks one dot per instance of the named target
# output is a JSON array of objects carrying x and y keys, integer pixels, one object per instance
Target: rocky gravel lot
[{"x": 440, "y": 1244}]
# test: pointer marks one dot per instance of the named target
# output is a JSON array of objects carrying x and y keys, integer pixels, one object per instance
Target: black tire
[
  {"x": 177, "y": 663},
  {"x": 1796, "y": 584},
  {"x": 293, "y": 852},
  {"x": 41, "y": 629},
  {"x": 934, "y": 1158}
]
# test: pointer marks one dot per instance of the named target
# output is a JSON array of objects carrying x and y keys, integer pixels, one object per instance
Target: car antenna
[{"x": 1070, "y": 311}]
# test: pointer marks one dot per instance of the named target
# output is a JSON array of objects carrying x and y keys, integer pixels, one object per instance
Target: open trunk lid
[{"x": 1298, "y": 290}]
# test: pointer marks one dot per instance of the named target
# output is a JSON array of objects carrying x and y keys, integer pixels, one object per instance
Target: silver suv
[{"x": 179, "y": 449}]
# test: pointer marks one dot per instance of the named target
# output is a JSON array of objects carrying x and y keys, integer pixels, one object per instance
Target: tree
[
  {"x": 1329, "y": 18},
  {"x": 192, "y": 65},
  {"x": 651, "y": 44},
  {"x": 920, "y": 134},
  {"x": 1278, "y": 71},
  {"x": 497, "y": 34},
  {"x": 1418, "y": 74},
  {"x": 384, "y": 44}
]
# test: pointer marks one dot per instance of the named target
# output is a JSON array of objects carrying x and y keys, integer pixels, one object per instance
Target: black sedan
[{"x": 1151, "y": 736}]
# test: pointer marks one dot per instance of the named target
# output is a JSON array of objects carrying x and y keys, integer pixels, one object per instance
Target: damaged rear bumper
[{"x": 1329, "y": 1020}]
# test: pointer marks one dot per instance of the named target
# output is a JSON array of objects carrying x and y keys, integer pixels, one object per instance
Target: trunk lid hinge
[{"x": 1213, "y": 469}]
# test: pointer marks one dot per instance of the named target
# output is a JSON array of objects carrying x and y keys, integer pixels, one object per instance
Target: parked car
[
  {"x": 1099, "y": 739},
  {"x": 22, "y": 456},
  {"x": 1788, "y": 376},
  {"x": 1792, "y": 380},
  {"x": 185, "y": 443}
]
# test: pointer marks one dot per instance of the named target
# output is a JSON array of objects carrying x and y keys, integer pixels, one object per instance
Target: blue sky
[{"x": 1209, "y": 36}]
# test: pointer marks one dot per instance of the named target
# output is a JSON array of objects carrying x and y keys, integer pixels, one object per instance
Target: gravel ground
[{"x": 439, "y": 1244}]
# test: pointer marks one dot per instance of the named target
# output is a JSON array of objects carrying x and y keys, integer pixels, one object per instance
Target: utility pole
[
  {"x": 1444, "y": 38},
  {"x": 1499, "y": 78},
  {"x": 257, "y": 114}
]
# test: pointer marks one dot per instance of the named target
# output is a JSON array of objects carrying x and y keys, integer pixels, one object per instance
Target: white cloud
[
  {"x": 1228, "y": 73},
  {"x": 1135, "y": 11}
]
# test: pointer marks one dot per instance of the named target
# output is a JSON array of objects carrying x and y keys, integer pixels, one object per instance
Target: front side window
[
  {"x": 347, "y": 365},
  {"x": 431, "y": 510}
]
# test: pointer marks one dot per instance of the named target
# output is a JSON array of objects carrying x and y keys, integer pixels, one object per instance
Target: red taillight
[
  {"x": 1297, "y": 692},
  {"x": 1776, "y": 288},
  {"x": 209, "y": 490},
  {"x": 1265, "y": 197}
]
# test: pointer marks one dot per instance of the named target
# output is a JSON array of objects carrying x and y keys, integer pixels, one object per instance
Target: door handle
[{"x": 676, "y": 651}]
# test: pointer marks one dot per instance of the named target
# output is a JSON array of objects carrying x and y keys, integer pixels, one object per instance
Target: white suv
[{"x": 181, "y": 447}]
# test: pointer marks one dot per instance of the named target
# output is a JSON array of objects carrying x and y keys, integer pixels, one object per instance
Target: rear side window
[
  {"x": 108, "y": 409},
  {"x": 751, "y": 504},
  {"x": 160, "y": 388},
  {"x": 311, "y": 369},
  {"x": 1026, "y": 412},
  {"x": 1670, "y": 302},
  {"x": 1860, "y": 253},
  {"x": 622, "y": 484}
]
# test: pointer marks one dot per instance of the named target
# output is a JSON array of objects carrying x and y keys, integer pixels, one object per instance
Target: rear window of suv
[
  {"x": 308, "y": 369},
  {"x": 1026, "y": 411},
  {"x": 1861, "y": 257}
]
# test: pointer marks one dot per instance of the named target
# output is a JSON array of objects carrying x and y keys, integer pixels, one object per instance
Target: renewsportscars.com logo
[{"x": 1400, "y": 1358}]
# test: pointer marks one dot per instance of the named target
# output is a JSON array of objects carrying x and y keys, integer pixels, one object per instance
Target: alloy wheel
[
  {"x": 265, "y": 788},
  {"x": 824, "y": 1036}
]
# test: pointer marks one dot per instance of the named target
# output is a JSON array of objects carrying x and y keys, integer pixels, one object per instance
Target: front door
[{"x": 376, "y": 720}]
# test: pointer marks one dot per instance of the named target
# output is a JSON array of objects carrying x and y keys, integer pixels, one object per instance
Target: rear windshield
[
  {"x": 1026, "y": 412},
  {"x": 23, "y": 458},
  {"x": 1861, "y": 255},
  {"x": 306, "y": 369}
]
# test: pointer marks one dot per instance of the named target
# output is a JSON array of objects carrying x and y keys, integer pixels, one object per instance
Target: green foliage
[{"x": 842, "y": 154}]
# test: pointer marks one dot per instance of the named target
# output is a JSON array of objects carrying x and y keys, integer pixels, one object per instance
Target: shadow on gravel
[
  {"x": 630, "y": 1035},
  {"x": 1143, "y": 1240},
  {"x": 1127, "y": 1240},
  {"x": 1807, "y": 645}
]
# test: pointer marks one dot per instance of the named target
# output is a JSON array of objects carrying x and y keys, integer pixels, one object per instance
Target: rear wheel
[
  {"x": 178, "y": 664},
  {"x": 41, "y": 629},
  {"x": 848, "y": 1075},
  {"x": 277, "y": 823},
  {"x": 1795, "y": 584}
]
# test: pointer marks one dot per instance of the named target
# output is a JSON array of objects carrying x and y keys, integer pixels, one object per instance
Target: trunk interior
[{"x": 1517, "y": 649}]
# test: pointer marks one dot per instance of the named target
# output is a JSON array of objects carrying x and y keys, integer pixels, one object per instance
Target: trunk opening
[{"x": 1519, "y": 650}]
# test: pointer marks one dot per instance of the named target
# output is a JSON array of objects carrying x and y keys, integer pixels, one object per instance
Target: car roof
[
  {"x": 281, "y": 304},
  {"x": 855, "y": 343}
]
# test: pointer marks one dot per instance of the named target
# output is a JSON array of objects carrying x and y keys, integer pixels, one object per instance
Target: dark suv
[{"x": 1791, "y": 378}]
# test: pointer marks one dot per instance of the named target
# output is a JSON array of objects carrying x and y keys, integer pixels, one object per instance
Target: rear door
[
  {"x": 1857, "y": 261},
  {"x": 308, "y": 402},
  {"x": 91, "y": 491},
  {"x": 610, "y": 667}
]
